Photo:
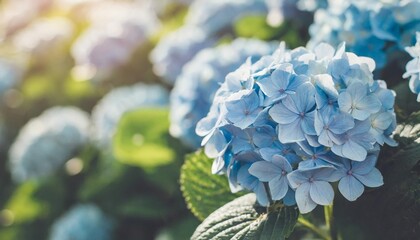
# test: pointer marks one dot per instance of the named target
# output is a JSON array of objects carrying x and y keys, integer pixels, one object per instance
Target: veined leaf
[
  {"x": 203, "y": 191},
  {"x": 142, "y": 138},
  {"x": 244, "y": 219}
]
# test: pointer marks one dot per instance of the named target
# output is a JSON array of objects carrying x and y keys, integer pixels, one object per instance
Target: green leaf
[
  {"x": 143, "y": 206},
  {"x": 182, "y": 229},
  {"x": 405, "y": 101},
  {"x": 142, "y": 139},
  {"x": 22, "y": 204},
  {"x": 243, "y": 218},
  {"x": 407, "y": 134},
  {"x": 203, "y": 191}
]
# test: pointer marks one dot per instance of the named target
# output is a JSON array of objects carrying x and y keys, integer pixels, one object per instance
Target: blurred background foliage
[{"x": 135, "y": 181}]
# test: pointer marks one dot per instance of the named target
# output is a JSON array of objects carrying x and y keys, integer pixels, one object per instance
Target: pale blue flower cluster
[
  {"x": 10, "y": 75},
  {"x": 110, "y": 109},
  {"x": 376, "y": 29},
  {"x": 194, "y": 89},
  {"x": 311, "y": 5},
  {"x": 288, "y": 125},
  {"x": 83, "y": 222},
  {"x": 214, "y": 16},
  {"x": 413, "y": 67},
  {"x": 46, "y": 142},
  {"x": 176, "y": 49}
]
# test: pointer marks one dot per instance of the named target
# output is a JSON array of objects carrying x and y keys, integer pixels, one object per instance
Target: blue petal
[
  {"x": 218, "y": 165},
  {"x": 282, "y": 163},
  {"x": 279, "y": 187},
  {"x": 326, "y": 173},
  {"x": 296, "y": 178},
  {"x": 216, "y": 145},
  {"x": 267, "y": 86},
  {"x": 351, "y": 188},
  {"x": 350, "y": 150},
  {"x": 366, "y": 166},
  {"x": 322, "y": 193},
  {"x": 292, "y": 132},
  {"x": 262, "y": 196},
  {"x": 303, "y": 199},
  {"x": 289, "y": 199},
  {"x": 372, "y": 179},
  {"x": 308, "y": 123},
  {"x": 282, "y": 114},
  {"x": 341, "y": 123},
  {"x": 265, "y": 171}
]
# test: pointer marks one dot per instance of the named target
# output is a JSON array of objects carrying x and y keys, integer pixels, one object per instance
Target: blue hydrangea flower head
[
  {"x": 216, "y": 15},
  {"x": 46, "y": 142},
  {"x": 195, "y": 88},
  {"x": 82, "y": 222},
  {"x": 293, "y": 122},
  {"x": 377, "y": 29},
  {"x": 176, "y": 49},
  {"x": 111, "y": 107},
  {"x": 413, "y": 67}
]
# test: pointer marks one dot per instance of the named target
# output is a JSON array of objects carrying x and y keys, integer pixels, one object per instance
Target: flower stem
[
  {"x": 313, "y": 228},
  {"x": 329, "y": 221}
]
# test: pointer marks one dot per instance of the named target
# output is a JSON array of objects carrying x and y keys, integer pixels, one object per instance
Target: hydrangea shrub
[{"x": 292, "y": 123}]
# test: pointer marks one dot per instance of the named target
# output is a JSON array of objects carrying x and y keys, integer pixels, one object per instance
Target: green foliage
[
  {"x": 22, "y": 205},
  {"x": 405, "y": 102},
  {"x": 256, "y": 26},
  {"x": 180, "y": 230},
  {"x": 243, "y": 218},
  {"x": 142, "y": 138},
  {"x": 203, "y": 191}
]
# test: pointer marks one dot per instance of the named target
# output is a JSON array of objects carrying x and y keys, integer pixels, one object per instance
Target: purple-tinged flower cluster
[
  {"x": 291, "y": 123},
  {"x": 117, "y": 30},
  {"x": 201, "y": 77},
  {"x": 376, "y": 29},
  {"x": 413, "y": 67}
]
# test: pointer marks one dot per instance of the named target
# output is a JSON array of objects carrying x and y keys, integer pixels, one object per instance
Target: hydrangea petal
[{"x": 351, "y": 188}]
